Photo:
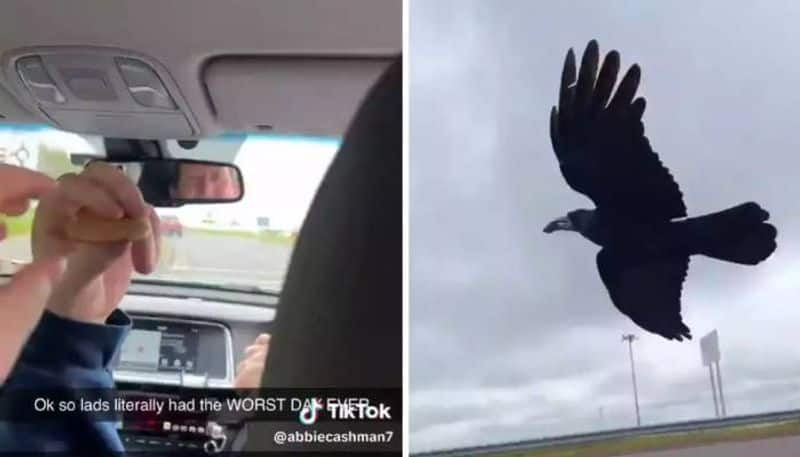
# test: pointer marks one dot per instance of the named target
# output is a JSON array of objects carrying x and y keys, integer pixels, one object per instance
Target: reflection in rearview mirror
[
  {"x": 175, "y": 182},
  {"x": 197, "y": 181}
]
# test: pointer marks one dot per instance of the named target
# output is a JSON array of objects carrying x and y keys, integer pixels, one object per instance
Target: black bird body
[
  {"x": 710, "y": 235},
  {"x": 629, "y": 235},
  {"x": 640, "y": 220}
]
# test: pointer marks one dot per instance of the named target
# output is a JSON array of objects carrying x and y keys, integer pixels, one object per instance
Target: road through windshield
[{"x": 243, "y": 244}]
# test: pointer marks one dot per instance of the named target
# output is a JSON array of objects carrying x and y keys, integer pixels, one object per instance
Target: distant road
[
  {"x": 198, "y": 256},
  {"x": 12, "y": 250},
  {"x": 219, "y": 259},
  {"x": 773, "y": 447}
]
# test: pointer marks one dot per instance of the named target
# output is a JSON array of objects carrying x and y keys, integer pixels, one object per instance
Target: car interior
[{"x": 160, "y": 89}]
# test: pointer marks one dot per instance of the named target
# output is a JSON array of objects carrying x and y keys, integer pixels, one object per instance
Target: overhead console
[{"x": 106, "y": 91}]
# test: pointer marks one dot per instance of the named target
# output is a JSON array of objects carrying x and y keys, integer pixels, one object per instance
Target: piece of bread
[{"x": 90, "y": 228}]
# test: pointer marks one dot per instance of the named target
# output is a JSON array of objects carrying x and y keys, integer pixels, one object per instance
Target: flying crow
[{"x": 639, "y": 219}]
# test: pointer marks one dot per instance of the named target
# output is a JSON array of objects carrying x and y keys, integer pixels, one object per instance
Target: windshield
[{"x": 246, "y": 244}]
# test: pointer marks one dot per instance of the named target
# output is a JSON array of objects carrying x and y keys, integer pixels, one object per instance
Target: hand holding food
[
  {"x": 87, "y": 227},
  {"x": 100, "y": 221}
]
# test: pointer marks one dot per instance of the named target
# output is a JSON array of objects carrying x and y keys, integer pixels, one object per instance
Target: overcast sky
[{"x": 513, "y": 335}]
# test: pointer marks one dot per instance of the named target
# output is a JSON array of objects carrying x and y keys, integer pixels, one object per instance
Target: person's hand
[
  {"x": 97, "y": 275},
  {"x": 23, "y": 299},
  {"x": 251, "y": 368}
]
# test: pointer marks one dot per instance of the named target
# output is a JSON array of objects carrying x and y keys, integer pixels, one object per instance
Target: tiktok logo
[{"x": 308, "y": 415}]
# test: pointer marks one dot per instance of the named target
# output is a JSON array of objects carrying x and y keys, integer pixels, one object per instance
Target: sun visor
[
  {"x": 103, "y": 91},
  {"x": 310, "y": 96}
]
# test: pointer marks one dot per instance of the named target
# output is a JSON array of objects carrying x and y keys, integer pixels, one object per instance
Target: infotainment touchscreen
[
  {"x": 157, "y": 346},
  {"x": 141, "y": 350}
]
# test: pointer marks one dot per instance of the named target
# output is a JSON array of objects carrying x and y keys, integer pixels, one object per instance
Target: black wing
[
  {"x": 601, "y": 147},
  {"x": 647, "y": 290}
]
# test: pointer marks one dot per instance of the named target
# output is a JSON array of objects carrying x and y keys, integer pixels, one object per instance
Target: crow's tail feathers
[{"x": 739, "y": 234}]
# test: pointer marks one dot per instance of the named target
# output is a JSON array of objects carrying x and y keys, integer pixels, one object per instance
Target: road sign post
[
  {"x": 713, "y": 390},
  {"x": 719, "y": 388},
  {"x": 630, "y": 338},
  {"x": 709, "y": 351}
]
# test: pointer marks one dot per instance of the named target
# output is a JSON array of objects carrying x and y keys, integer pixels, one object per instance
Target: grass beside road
[
  {"x": 626, "y": 446},
  {"x": 18, "y": 225},
  {"x": 266, "y": 236}
]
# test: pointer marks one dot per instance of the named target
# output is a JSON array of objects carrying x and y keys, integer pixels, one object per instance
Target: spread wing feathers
[
  {"x": 600, "y": 144},
  {"x": 647, "y": 290}
]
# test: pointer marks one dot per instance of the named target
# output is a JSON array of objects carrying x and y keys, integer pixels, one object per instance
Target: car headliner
[{"x": 184, "y": 37}]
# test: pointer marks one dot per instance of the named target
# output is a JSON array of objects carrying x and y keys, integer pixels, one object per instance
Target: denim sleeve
[{"x": 65, "y": 354}]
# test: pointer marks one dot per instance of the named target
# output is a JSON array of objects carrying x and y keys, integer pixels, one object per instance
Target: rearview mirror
[{"x": 176, "y": 182}]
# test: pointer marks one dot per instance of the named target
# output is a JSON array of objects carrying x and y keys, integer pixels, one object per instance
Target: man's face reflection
[{"x": 207, "y": 182}]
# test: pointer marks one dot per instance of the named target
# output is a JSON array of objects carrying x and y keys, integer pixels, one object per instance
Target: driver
[
  {"x": 251, "y": 369},
  {"x": 165, "y": 182},
  {"x": 81, "y": 328},
  {"x": 206, "y": 182}
]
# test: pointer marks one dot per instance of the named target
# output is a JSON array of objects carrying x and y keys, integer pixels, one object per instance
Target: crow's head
[{"x": 575, "y": 221}]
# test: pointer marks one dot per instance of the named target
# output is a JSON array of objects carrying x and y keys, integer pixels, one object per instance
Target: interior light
[
  {"x": 144, "y": 84},
  {"x": 38, "y": 81}
]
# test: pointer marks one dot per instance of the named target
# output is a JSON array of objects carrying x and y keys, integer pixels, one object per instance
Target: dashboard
[{"x": 179, "y": 344}]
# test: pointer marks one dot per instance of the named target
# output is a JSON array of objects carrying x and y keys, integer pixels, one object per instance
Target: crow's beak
[{"x": 562, "y": 223}]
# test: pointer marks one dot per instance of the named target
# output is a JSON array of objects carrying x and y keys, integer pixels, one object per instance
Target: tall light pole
[{"x": 630, "y": 338}]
